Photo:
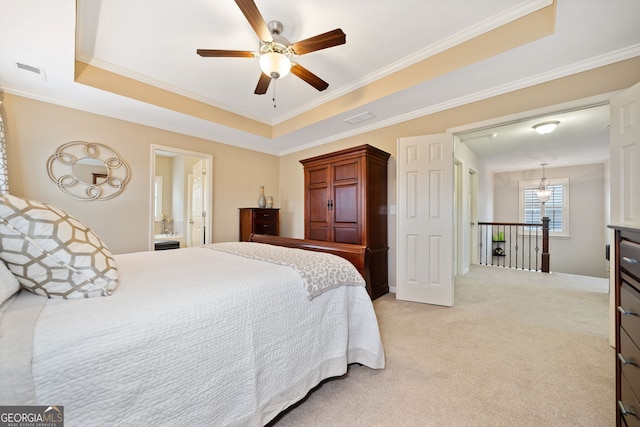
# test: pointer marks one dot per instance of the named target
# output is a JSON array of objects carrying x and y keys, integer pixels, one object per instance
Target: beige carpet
[{"x": 517, "y": 349}]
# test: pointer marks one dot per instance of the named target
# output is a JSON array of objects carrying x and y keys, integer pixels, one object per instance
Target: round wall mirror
[{"x": 88, "y": 170}]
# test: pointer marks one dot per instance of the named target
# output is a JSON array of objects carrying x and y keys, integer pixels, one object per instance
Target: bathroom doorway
[{"x": 180, "y": 198}]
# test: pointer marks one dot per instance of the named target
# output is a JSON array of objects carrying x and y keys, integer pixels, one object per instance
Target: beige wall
[
  {"x": 34, "y": 130},
  {"x": 583, "y": 251},
  {"x": 583, "y": 85}
]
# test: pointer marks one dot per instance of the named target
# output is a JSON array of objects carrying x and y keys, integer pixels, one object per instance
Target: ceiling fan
[{"x": 275, "y": 51}]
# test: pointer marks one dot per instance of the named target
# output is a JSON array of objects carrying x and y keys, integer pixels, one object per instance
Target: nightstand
[{"x": 258, "y": 221}]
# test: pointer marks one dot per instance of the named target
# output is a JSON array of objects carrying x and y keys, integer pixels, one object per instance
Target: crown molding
[
  {"x": 586, "y": 65},
  {"x": 467, "y": 34}
]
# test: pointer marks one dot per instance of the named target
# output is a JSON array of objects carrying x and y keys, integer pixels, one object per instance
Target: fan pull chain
[{"x": 275, "y": 81}]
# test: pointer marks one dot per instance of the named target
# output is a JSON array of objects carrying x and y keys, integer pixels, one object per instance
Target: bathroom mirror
[
  {"x": 181, "y": 196},
  {"x": 88, "y": 171}
]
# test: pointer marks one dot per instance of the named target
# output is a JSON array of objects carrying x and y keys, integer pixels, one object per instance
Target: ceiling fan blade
[
  {"x": 322, "y": 41},
  {"x": 309, "y": 77},
  {"x": 263, "y": 84},
  {"x": 225, "y": 53},
  {"x": 251, "y": 12}
]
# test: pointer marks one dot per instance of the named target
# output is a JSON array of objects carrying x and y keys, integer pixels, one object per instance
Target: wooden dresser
[
  {"x": 627, "y": 274},
  {"x": 259, "y": 221},
  {"x": 346, "y": 202}
]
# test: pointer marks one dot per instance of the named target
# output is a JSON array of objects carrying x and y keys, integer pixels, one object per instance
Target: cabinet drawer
[
  {"x": 629, "y": 358},
  {"x": 630, "y": 257},
  {"x": 629, "y": 311},
  {"x": 629, "y": 404},
  {"x": 265, "y": 228},
  {"x": 265, "y": 215}
]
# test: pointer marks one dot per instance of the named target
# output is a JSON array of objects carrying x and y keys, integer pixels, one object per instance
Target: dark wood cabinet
[
  {"x": 259, "y": 221},
  {"x": 346, "y": 202},
  {"x": 627, "y": 276}
]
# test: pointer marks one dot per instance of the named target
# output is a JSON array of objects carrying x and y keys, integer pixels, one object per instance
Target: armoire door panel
[
  {"x": 318, "y": 233},
  {"x": 346, "y": 171},
  {"x": 345, "y": 204},
  {"x": 346, "y": 235},
  {"x": 317, "y": 208},
  {"x": 318, "y": 176}
]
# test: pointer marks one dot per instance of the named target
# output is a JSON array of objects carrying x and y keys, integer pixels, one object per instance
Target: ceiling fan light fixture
[
  {"x": 546, "y": 127},
  {"x": 275, "y": 51},
  {"x": 274, "y": 64}
]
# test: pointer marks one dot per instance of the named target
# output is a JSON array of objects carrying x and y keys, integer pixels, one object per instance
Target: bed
[{"x": 228, "y": 334}]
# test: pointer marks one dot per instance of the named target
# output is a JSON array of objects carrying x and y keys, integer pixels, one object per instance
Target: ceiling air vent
[
  {"x": 359, "y": 118},
  {"x": 31, "y": 71}
]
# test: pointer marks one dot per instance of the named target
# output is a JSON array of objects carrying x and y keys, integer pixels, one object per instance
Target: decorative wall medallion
[{"x": 88, "y": 171}]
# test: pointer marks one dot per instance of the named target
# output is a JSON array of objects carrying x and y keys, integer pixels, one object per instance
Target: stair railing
[{"x": 515, "y": 245}]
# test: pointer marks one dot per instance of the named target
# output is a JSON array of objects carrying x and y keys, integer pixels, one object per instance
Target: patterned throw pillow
[
  {"x": 8, "y": 283},
  {"x": 52, "y": 253}
]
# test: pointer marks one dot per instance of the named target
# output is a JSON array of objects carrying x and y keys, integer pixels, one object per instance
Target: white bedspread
[
  {"x": 219, "y": 348},
  {"x": 319, "y": 271}
]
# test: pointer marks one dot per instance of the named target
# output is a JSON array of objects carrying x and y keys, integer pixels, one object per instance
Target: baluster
[
  {"x": 480, "y": 228},
  {"x": 510, "y": 251},
  {"x": 537, "y": 246},
  {"x": 515, "y": 245},
  {"x": 523, "y": 243},
  {"x": 529, "y": 264}
]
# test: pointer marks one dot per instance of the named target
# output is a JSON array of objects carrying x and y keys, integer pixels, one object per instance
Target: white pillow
[
  {"x": 8, "y": 283},
  {"x": 52, "y": 253}
]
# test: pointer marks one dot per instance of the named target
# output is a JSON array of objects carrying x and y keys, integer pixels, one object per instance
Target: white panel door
[
  {"x": 625, "y": 176},
  {"x": 425, "y": 219},
  {"x": 625, "y": 157}
]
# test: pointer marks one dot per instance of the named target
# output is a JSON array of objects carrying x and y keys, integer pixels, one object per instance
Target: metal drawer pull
[
  {"x": 630, "y": 260},
  {"x": 625, "y": 361},
  {"x": 625, "y": 312},
  {"x": 623, "y": 409}
]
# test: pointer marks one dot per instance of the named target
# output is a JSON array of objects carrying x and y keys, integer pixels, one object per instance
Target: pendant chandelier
[{"x": 544, "y": 188}]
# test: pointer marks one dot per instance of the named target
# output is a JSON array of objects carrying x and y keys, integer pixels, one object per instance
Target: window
[{"x": 556, "y": 208}]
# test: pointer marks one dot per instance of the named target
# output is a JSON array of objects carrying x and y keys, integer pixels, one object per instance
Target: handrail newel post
[{"x": 545, "y": 244}]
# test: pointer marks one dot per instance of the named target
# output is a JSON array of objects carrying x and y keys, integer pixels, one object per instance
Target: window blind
[{"x": 553, "y": 208}]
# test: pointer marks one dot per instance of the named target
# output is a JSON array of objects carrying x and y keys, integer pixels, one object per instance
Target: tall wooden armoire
[{"x": 346, "y": 202}]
